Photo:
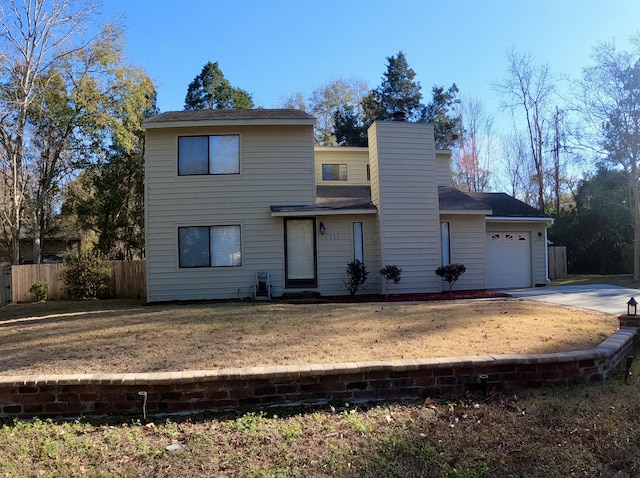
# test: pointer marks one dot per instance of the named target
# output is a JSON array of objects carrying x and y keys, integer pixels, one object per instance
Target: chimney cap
[{"x": 399, "y": 116}]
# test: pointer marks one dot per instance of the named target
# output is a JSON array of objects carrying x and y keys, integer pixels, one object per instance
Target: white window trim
[
  {"x": 210, "y": 265},
  {"x": 209, "y": 173}
]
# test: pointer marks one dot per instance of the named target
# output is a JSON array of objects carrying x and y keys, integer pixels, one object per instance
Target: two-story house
[{"x": 232, "y": 193}]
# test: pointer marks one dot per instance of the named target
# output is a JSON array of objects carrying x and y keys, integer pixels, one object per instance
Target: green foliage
[
  {"x": 86, "y": 275},
  {"x": 325, "y": 102},
  {"x": 611, "y": 100},
  {"x": 356, "y": 276},
  {"x": 39, "y": 290},
  {"x": 391, "y": 274},
  {"x": 451, "y": 273},
  {"x": 441, "y": 113},
  {"x": 210, "y": 90},
  {"x": 108, "y": 197},
  {"x": 348, "y": 126},
  {"x": 398, "y": 92},
  {"x": 598, "y": 231}
]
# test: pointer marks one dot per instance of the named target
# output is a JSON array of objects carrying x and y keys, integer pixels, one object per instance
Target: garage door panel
[{"x": 508, "y": 260}]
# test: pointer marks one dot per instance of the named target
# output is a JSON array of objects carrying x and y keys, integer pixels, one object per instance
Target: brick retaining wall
[{"x": 189, "y": 392}]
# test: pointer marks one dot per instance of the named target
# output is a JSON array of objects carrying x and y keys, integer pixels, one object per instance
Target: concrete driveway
[{"x": 601, "y": 297}]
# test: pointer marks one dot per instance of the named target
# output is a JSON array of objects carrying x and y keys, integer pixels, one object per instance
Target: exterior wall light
[
  {"x": 322, "y": 229},
  {"x": 632, "y": 307}
]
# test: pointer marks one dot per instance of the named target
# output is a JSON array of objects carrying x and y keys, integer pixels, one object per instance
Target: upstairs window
[
  {"x": 334, "y": 172},
  {"x": 208, "y": 155}
]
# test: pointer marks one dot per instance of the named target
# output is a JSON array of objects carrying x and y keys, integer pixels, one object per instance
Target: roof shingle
[
  {"x": 261, "y": 115},
  {"x": 504, "y": 205}
]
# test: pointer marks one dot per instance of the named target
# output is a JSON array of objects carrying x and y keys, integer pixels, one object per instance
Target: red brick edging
[{"x": 193, "y": 391}]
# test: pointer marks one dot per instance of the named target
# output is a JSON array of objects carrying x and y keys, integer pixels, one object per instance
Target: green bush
[
  {"x": 39, "y": 290},
  {"x": 451, "y": 273},
  {"x": 86, "y": 275},
  {"x": 356, "y": 276},
  {"x": 391, "y": 274}
]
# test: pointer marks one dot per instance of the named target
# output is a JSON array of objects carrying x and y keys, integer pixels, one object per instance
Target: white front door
[{"x": 300, "y": 253}]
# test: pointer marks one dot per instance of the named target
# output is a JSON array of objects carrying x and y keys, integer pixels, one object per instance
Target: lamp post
[{"x": 632, "y": 307}]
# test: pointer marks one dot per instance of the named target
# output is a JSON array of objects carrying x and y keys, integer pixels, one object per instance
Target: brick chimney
[{"x": 399, "y": 116}]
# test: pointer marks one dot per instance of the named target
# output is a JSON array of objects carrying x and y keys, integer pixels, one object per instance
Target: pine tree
[{"x": 210, "y": 90}]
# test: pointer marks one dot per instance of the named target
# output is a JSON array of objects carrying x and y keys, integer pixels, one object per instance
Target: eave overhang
[
  {"x": 228, "y": 122},
  {"x": 317, "y": 210},
  {"x": 548, "y": 220},
  {"x": 458, "y": 212}
]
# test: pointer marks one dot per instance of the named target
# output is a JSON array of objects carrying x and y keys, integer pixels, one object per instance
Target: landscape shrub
[
  {"x": 451, "y": 273},
  {"x": 356, "y": 276},
  {"x": 86, "y": 275},
  {"x": 391, "y": 274},
  {"x": 39, "y": 290}
]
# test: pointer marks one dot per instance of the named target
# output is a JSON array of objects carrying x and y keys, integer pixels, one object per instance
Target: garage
[{"x": 508, "y": 260}]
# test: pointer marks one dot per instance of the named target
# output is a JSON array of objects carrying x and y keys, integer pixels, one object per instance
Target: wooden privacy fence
[
  {"x": 557, "y": 262},
  {"x": 127, "y": 281},
  {"x": 5, "y": 285}
]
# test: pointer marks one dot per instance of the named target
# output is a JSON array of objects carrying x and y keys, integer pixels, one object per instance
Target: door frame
[{"x": 300, "y": 283}]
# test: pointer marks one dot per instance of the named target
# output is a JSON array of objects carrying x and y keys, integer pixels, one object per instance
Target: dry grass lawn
[{"x": 117, "y": 336}]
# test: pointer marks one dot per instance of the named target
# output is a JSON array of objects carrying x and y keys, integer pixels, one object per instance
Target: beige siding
[
  {"x": 276, "y": 169},
  {"x": 404, "y": 188},
  {"x": 356, "y": 160},
  {"x": 467, "y": 239},
  {"x": 538, "y": 246},
  {"x": 335, "y": 250},
  {"x": 443, "y": 162}
]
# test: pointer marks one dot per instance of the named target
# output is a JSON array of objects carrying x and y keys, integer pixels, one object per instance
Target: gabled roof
[
  {"x": 454, "y": 201},
  {"x": 229, "y": 117},
  {"x": 506, "y": 206}
]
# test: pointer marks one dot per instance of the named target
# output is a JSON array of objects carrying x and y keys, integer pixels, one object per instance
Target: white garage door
[{"x": 508, "y": 261}]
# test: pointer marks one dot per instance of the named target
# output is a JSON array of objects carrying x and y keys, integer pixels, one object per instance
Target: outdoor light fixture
[
  {"x": 632, "y": 307},
  {"x": 322, "y": 229}
]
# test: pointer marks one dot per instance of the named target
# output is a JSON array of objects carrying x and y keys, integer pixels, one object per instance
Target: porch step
[{"x": 303, "y": 297}]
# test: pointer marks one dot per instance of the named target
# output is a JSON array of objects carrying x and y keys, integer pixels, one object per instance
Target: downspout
[{"x": 546, "y": 255}]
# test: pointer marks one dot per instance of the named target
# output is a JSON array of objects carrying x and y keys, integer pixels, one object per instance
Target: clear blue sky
[{"x": 273, "y": 48}]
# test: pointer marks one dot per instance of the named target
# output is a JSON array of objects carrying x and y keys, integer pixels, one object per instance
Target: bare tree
[
  {"x": 36, "y": 37},
  {"x": 474, "y": 156},
  {"x": 528, "y": 89},
  {"x": 516, "y": 168},
  {"x": 609, "y": 94},
  {"x": 558, "y": 168},
  {"x": 323, "y": 103}
]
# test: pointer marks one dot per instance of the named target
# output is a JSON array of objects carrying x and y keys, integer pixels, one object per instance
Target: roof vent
[{"x": 399, "y": 116}]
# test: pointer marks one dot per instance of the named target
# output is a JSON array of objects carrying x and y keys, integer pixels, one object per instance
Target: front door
[{"x": 300, "y": 253}]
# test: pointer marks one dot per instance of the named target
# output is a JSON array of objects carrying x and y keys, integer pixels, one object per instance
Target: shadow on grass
[{"x": 79, "y": 338}]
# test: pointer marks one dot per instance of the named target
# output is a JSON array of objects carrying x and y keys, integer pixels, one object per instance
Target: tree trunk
[
  {"x": 37, "y": 234},
  {"x": 636, "y": 244},
  {"x": 636, "y": 223}
]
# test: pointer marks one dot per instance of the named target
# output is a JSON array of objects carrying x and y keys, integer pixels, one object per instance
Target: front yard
[{"x": 121, "y": 336}]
